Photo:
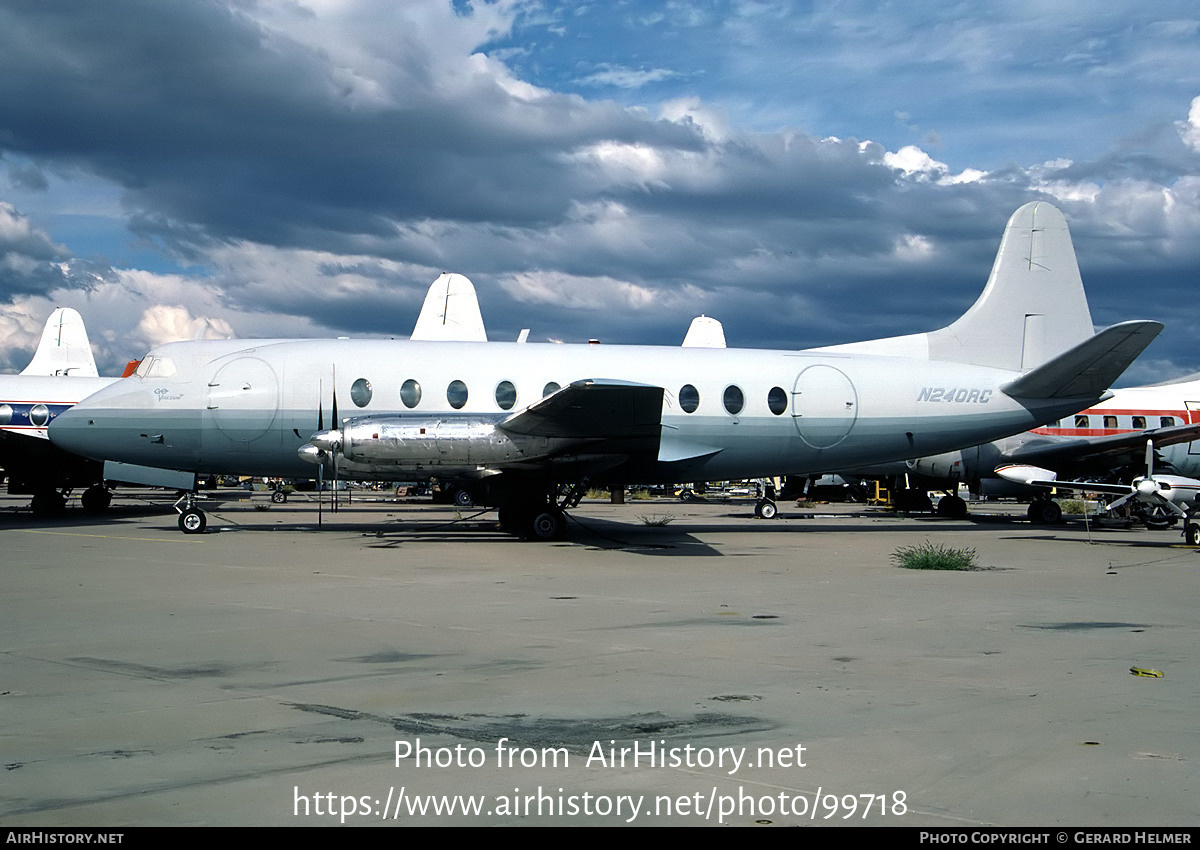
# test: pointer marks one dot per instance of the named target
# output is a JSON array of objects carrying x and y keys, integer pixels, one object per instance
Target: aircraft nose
[{"x": 72, "y": 430}]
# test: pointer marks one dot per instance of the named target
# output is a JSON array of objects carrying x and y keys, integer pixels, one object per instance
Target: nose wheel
[{"x": 192, "y": 520}]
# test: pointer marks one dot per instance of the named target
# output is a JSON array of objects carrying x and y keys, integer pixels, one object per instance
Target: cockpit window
[{"x": 156, "y": 367}]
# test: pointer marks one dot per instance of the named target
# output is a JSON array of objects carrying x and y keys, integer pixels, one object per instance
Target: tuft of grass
[
  {"x": 1073, "y": 506},
  {"x": 657, "y": 520},
  {"x": 640, "y": 495},
  {"x": 927, "y": 556}
]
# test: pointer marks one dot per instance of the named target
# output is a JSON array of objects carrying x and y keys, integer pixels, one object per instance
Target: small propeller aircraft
[
  {"x": 1160, "y": 500},
  {"x": 61, "y": 372}
]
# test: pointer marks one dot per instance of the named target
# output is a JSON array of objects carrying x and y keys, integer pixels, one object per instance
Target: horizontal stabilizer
[
  {"x": 592, "y": 409},
  {"x": 1088, "y": 369}
]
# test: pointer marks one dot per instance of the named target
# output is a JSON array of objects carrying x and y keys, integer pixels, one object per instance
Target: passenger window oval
[
  {"x": 456, "y": 394},
  {"x": 734, "y": 400},
  {"x": 689, "y": 398},
  {"x": 360, "y": 392},
  {"x": 6, "y": 414},
  {"x": 39, "y": 415},
  {"x": 777, "y": 400},
  {"x": 506, "y": 395},
  {"x": 550, "y": 389},
  {"x": 410, "y": 393}
]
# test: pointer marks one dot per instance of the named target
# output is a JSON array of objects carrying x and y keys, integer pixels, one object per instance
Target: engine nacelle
[
  {"x": 428, "y": 442},
  {"x": 961, "y": 465}
]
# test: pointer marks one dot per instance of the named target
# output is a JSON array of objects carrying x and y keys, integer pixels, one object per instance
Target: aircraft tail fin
[
  {"x": 64, "y": 348},
  {"x": 1088, "y": 369},
  {"x": 1033, "y": 307},
  {"x": 705, "y": 332},
  {"x": 450, "y": 312}
]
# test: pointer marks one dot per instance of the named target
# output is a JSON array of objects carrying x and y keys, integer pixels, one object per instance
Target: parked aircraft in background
[
  {"x": 64, "y": 350},
  {"x": 1163, "y": 496},
  {"x": 450, "y": 312},
  {"x": 1103, "y": 443},
  {"x": 61, "y": 372},
  {"x": 518, "y": 422}
]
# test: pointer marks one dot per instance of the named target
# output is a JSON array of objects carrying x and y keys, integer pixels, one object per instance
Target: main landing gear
[
  {"x": 1044, "y": 512},
  {"x": 765, "y": 509},
  {"x": 51, "y": 502},
  {"x": 538, "y": 514}
]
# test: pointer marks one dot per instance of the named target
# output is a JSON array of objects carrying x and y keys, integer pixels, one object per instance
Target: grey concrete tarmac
[{"x": 266, "y": 672}]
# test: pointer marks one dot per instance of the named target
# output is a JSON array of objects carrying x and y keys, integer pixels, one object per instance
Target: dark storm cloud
[
  {"x": 29, "y": 261},
  {"x": 316, "y": 168},
  {"x": 207, "y": 117}
]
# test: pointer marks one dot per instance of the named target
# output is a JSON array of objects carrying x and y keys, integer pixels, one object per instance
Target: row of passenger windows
[
  {"x": 505, "y": 395},
  {"x": 1138, "y": 423},
  {"x": 38, "y": 415}
]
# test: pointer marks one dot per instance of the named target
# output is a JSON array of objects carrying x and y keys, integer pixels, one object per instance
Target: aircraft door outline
[{"x": 824, "y": 406}]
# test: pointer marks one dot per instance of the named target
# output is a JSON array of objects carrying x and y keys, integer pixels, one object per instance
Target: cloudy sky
[{"x": 807, "y": 172}]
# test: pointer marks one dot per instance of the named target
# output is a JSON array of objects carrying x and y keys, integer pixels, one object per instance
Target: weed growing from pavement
[{"x": 927, "y": 556}]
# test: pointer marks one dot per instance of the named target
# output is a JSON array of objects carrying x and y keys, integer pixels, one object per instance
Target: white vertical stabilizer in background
[
  {"x": 450, "y": 312},
  {"x": 64, "y": 349}
]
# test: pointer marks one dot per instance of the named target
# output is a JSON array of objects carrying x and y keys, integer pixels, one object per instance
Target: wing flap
[
  {"x": 593, "y": 409},
  {"x": 1086, "y": 370}
]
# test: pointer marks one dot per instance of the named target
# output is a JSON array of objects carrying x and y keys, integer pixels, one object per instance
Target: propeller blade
[
  {"x": 1117, "y": 503},
  {"x": 1150, "y": 459}
]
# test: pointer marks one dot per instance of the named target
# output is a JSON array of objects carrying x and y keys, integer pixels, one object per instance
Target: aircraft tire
[
  {"x": 96, "y": 499},
  {"x": 279, "y": 497},
  {"x": 544, "y": 524},
  {"x": 48, "y": 503},
  {"x": 1157, "y": 517},
  {"x": 192, "y": 521},
  {"x": 1044, "y": 512},
  {"x": 1191, "y": 534},
  {"x": 463, "y": 498},
  {"x": 1156, "y": 524},
  {"x": 766, "y": 509},
  {"x": 952, "y": 507}
]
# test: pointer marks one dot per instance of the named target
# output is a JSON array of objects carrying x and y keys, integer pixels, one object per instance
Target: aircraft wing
[
  {"x": 1087, "y": 370},
  {"x": 1113, "y": 451},
  {"x": 592, "y": 409},
  {"x": 1033, "y": 476}
]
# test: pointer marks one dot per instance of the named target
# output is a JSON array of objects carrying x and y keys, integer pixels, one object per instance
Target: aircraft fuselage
[{"x": 752, "y": 413}]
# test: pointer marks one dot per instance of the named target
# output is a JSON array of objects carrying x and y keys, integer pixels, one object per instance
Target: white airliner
[
  {"x": 516, "y": 422},
  {"x": 61, "y": 372}
]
